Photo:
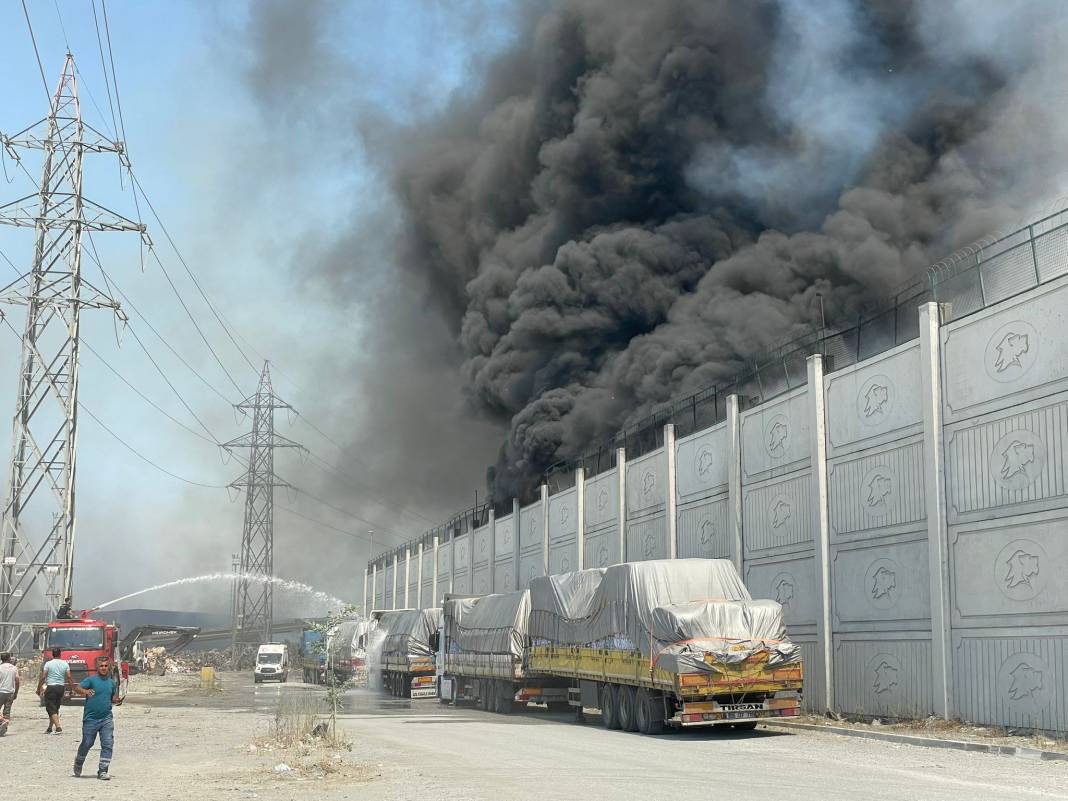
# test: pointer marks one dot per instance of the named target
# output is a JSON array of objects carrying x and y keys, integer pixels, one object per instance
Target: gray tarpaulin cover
[
  {"x": 408, "y": 631},
  {"x": 489, "y": 624},
  {"x": 673, "y": 611}
]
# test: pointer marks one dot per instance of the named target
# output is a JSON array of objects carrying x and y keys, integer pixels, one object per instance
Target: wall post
[
  {"x": 434, "y": 582},
  {"x": 734, "y": 484},
  {"x": 671, "y": 497},
  {"x": 937, "y": 524},
  {"x": 407, "y": 575},
  {"x": 824, "y": 632},
  {"x": 545, "y": 529},
  {"x": 580, "y": 513},
  {"x": 396, "y": 566},
  {"x": 621, "y": 475},
  {"x": 419, "y": 579}
]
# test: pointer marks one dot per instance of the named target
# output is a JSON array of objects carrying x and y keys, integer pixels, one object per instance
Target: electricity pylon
[
  {"x": 39, "y": 513},
  {"x": 254, "y": 605}
]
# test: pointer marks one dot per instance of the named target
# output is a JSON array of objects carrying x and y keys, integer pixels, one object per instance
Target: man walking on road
[
  {"x": 9, "y": 689},
  {"x": 51, "y": 684},
  {"x": 101, "y": 691}
]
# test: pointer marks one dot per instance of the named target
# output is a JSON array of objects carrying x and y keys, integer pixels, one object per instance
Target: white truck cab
[{"x": 272, "y": 662}]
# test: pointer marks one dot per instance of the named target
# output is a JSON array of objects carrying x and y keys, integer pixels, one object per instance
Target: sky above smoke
[{"x": 489, "y": 233}]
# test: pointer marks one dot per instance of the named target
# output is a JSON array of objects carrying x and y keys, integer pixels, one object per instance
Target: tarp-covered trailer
[
  {"x": 407, "y": 656},
  {"x": 483, "y": 645},
  {"x": 675, "y": 642}
]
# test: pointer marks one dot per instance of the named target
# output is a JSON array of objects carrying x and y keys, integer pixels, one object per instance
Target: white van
[{"x": 272, "y": 662}]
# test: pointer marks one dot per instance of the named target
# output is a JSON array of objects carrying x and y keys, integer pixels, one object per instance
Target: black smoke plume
[{"x": 640, "y": 196}]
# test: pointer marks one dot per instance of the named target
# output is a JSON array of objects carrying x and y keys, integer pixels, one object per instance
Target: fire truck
[{"x": 80, "y": 641}]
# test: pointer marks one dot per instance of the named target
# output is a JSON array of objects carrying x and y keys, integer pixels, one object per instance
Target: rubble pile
[{"x": 159, "y": 663}]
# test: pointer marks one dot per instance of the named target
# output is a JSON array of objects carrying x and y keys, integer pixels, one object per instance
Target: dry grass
[{"x": 295, "y": 718}]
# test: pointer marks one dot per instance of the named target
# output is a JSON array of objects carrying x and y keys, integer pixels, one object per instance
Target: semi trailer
[
  {"x": 483, "y": 645},
  {"x": 677, "y": 643},
  {"x": 406, "y": 661}
]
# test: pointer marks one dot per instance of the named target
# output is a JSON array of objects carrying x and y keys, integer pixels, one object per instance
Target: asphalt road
[
  {"x": 429, "y": 751},
  {"x": 174, "y": 741}
]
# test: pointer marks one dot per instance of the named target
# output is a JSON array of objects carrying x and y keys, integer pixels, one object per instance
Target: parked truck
[
  {"x": 346, "y": 651},
  {"x": 406, "y": 664},
  {"x": 676, "y": 643},
  {"x": 483, "y": 644},
  {"x": 312, "y": 657}
]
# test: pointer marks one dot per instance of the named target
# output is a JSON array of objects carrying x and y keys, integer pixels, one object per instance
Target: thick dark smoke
[{"x": 640, "y": 196}]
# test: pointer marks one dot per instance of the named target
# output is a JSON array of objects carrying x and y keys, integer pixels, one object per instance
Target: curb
[{"x": 930, "y": 742}]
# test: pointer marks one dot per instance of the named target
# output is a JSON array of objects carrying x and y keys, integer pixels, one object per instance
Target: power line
[
  {"x": 103, "y": 66},
  {"x": 189, "y": 271},
  {"x": 310, "y": 519},
  {"x": 144, "y": 458},
  {"x": 353, "y": 515},
  {"x": 147, "y": 399},
  {"x": 40, "y": 65},
  {"x": 95, "y": 256}
]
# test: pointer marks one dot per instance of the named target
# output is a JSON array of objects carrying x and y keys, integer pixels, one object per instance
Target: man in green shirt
[{"x": 100, "y": 692}]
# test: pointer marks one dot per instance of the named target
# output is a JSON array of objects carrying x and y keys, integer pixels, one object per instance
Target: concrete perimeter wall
[{"x": 909, "y": 511}]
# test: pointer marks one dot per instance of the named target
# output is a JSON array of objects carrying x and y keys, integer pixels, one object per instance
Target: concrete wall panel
[
  {"x": 462, "y": 554},
  {"x": 878, "y": 492},
  {"x": 702, "y": 463},
  {"x": 531, "y": 537},
  {"x": 1008, "y": 463},
  {"x": 1005, "y": 679},
  {"x": 482, "y": 578},
  {"x": 504, "y": 576},
  {"x": 444, "y": 567},
  {"x": 482, "y": 551},
  {"x": 812, "y": 660},
  {"x": 504, "y": 536},
  {"x": 791, "y": 582},
  {"x": 885, "y": 583},
  {"x": 1010, "y": 572},
  {"x": 703, "y": 529},
  {"x": 602, "y": 500},
  {"x": 874, "y": 401},
  {"x": 779, "y": 515},
  {"x": 601, "y": 549},
  {"x": 647, "y": 538},
  {"x": 889, "y": 676},
  {"x": 563, "y": 516},
  {"x": 1010, "y": 353},
  {"x": 646, "y": 483},
  {"x": 529, "y": 567},
  {"x": 563, "y": 557},
  {"x": 775, "y": 437}
]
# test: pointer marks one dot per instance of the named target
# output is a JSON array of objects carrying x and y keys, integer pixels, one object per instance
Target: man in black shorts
[{"x": 51, "y": 684}]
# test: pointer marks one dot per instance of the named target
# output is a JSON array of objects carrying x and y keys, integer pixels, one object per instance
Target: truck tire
[
  {"x": 610, "y": 706},
  {"x": 628, "y": 720},
  {"x": 649, "y": 711}
]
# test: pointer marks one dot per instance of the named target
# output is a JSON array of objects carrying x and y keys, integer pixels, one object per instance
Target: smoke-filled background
[
  {"x": 639, "y": 196},
  {"x": 491, "y": 232}
]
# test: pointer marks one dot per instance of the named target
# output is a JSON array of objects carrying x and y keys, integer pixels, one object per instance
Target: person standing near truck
[
  {"x": 51, "y": 684},
  {"x": 101, "y": 693},
  {"x": 9, "y": 689}
]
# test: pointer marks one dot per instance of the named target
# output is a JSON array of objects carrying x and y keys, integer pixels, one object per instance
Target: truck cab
[
  {"x": 81, "y": 641},
  {"x": 272, "y": 663}
]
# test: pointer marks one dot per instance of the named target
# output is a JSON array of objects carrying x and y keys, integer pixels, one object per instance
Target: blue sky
[{"x": 247, "y": 124}]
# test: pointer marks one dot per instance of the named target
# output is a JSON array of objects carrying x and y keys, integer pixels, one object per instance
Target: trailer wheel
[
  {"x": 628, "y": 721},
  {"x": 649, "y": 712},
  {"x": 610, "y": 706}
]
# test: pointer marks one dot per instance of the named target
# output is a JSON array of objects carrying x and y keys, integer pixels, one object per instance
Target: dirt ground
[{"x": 175, "y": 740}]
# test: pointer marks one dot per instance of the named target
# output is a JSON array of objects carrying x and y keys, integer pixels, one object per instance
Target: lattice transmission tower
[
  {"x": 254, "y": 605},
  {"x": 39, "y": 513}
]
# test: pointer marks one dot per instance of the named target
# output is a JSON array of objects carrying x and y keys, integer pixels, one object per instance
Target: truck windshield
[
  {"x": 68, "y": 638},
  {"x": 269, "y": 659}
]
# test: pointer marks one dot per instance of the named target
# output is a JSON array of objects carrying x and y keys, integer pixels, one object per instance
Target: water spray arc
[
  {"x": 39, "y": 512},
  {"x": 254, "y": 604}
]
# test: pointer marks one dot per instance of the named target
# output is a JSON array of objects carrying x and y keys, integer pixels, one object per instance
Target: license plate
[
  {"x": 424, "y": 692},
  {"x": 742, "y": 707}
]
